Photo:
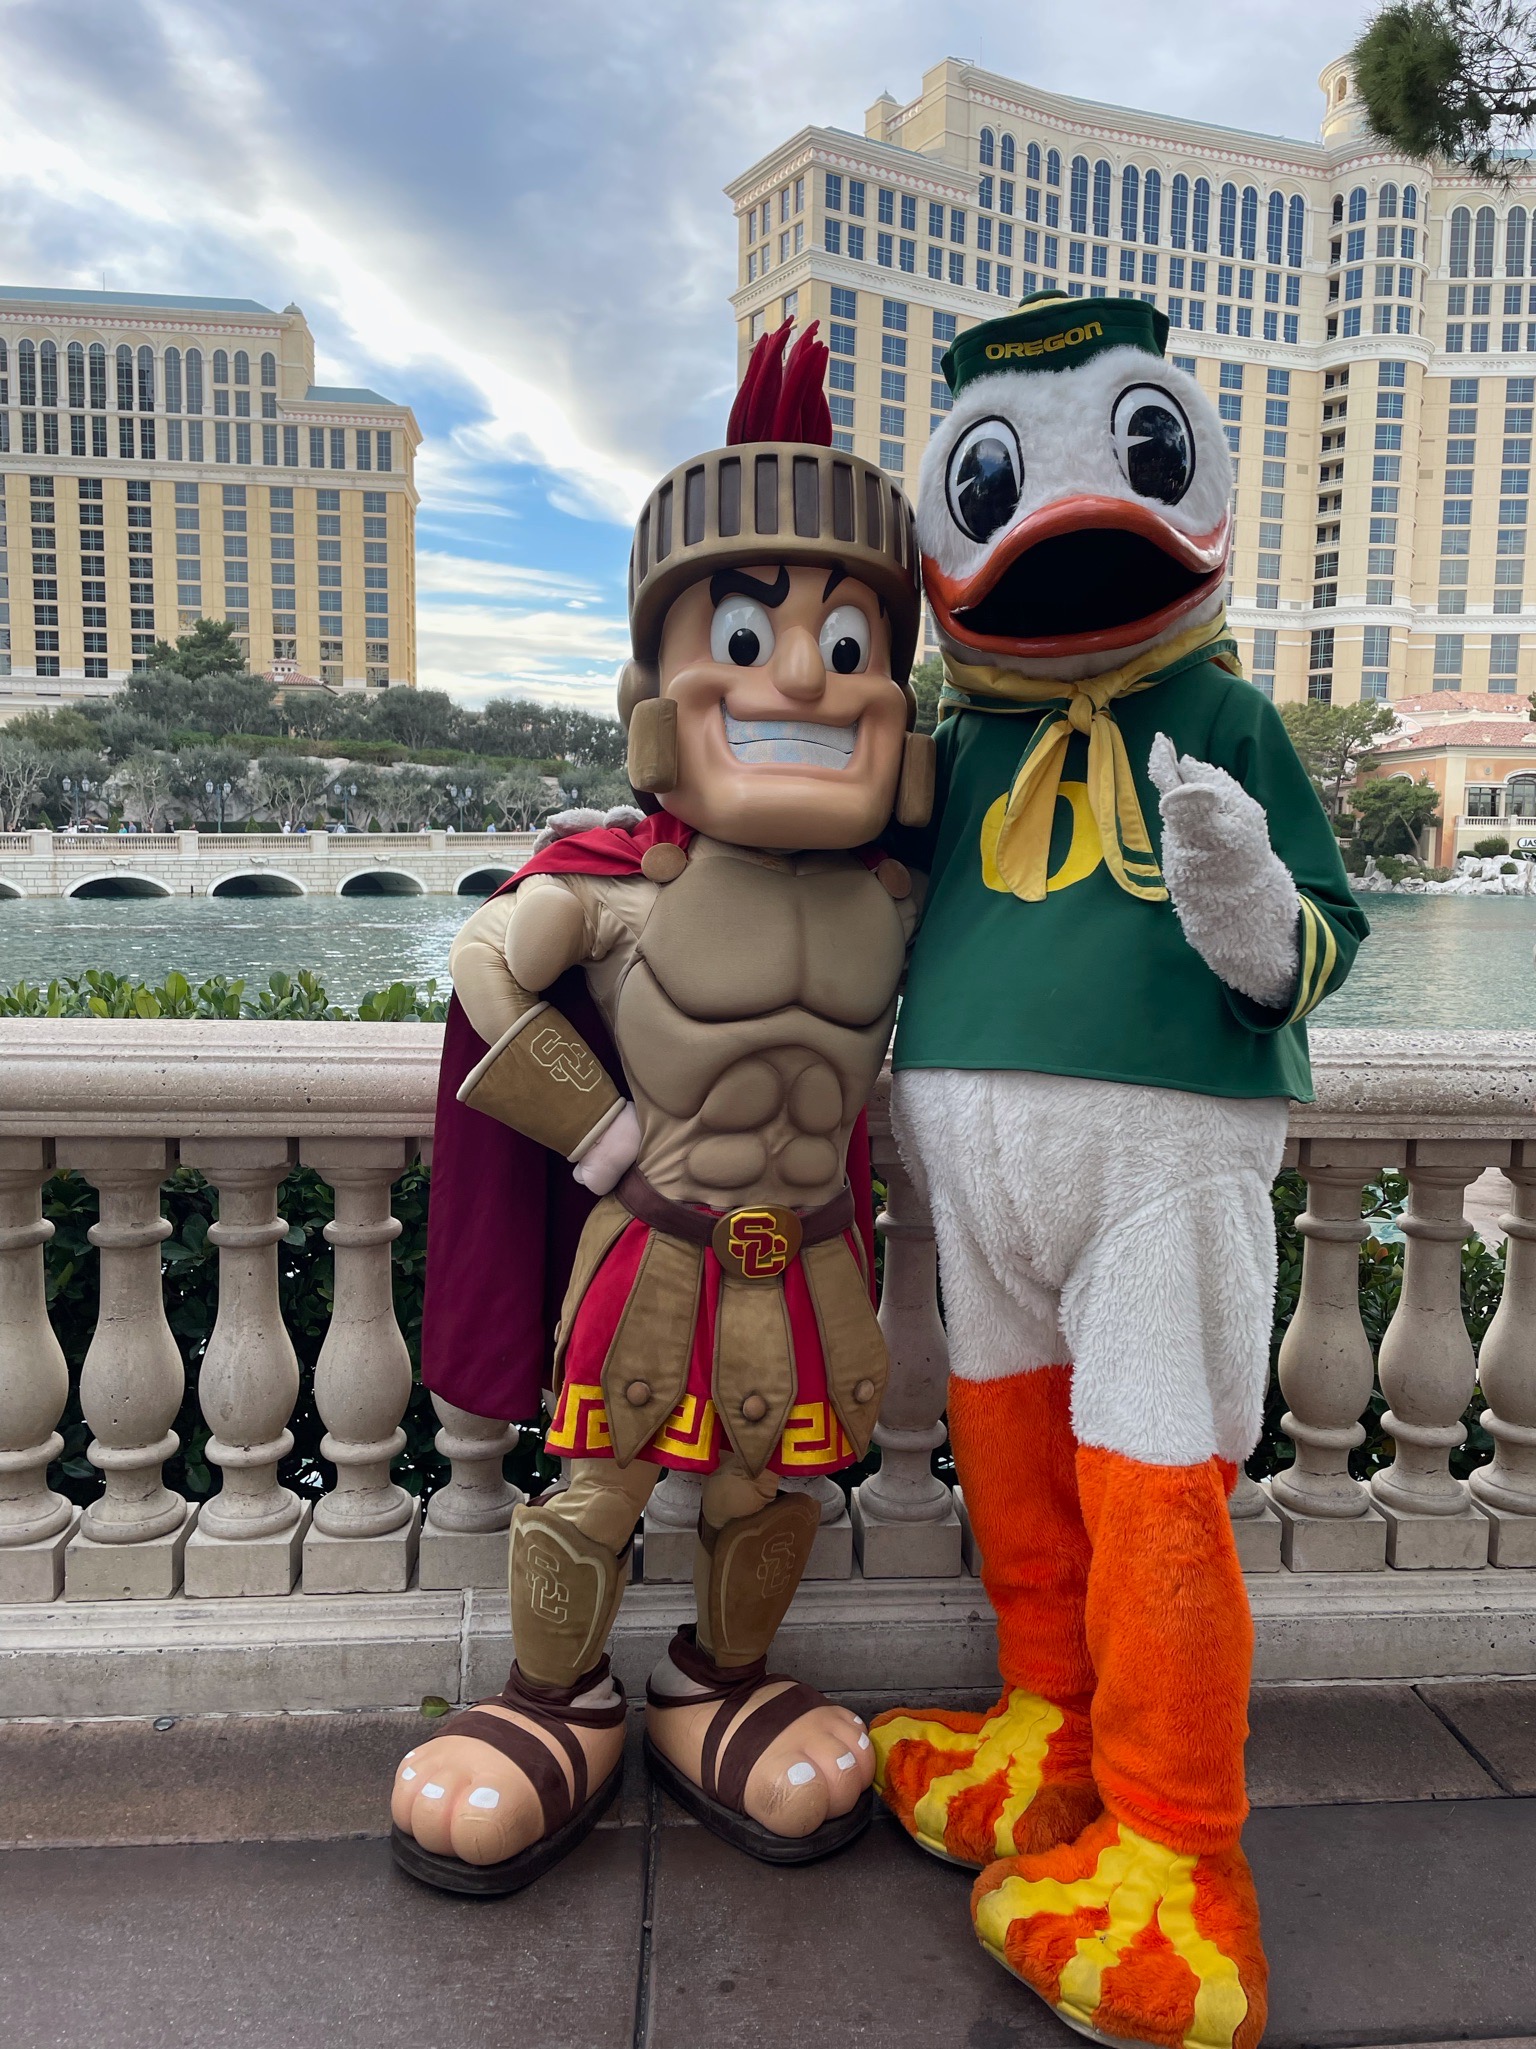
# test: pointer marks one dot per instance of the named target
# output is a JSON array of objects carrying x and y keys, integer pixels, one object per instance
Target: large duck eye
[
  {"x": 985, "y": 479},
  {"x": 1153, "y": 443}
]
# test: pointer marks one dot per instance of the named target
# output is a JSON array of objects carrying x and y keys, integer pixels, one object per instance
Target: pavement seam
[
  {"x": 641, "y": 2034},
  {"x": 1467, "y": 1745}
]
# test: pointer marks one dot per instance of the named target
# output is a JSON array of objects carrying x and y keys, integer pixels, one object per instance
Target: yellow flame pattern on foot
[
  {"x": 1136, "y": 1881},
  {"x": 1013, "y": 1741}
]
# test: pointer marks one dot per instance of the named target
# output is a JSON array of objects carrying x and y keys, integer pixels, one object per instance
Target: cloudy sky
[{"x": 510, "y": 216}]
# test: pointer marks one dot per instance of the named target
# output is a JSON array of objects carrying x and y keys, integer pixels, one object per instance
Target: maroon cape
[{"x": 504, "y": 1215}]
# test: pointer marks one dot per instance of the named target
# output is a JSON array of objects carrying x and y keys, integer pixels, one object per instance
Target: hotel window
[
  {"x": 885, "y": 251},
  {"x": 893, "y": 385},
  {"x": 1503, "y": 664},
  {"x": 908, "y": 213},
  {"x": 936, "y": 219},
  {"x": 338, "y": 448},
  {"x": 1200, "y": 216},
  {"x": 124, "y": 378},
  {"x": 935, "y": 261},
  {"x": 856, "y": 197},
  {"x": 1005, "y": 198},
  {"x": 269, "y": 447},
  {"x": 893, "y": 457},
  {"x": 957, "y": 224},
  {"x": 317, "y": 448},
  {"x": 194, "y": 369},
  {"x": 1077, "y": 199},
  {"x": 1178, "y": 212},
  {"x": 1226, "y": 233},
  {"x": 1130, "y": 202},
  {"x": 956, "y": 267},
  {"x": 1265, "y": 640},
  {"x": 1320, "y": 665},
  {"x": 986, "y": 146},
  {"x": 885, "y": 207},
  {"x": 1249, "y": 226},
  {"x": 855, "y": 243},
  {"x": 220, "y": 366},
  {"x": 833, "y": 193}
]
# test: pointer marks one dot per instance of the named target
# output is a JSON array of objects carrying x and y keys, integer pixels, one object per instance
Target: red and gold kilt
[{"x": 692, "y": 1438}]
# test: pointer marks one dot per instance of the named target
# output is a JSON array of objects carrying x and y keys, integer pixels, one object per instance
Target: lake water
[{"x": 1431, "y": 961}]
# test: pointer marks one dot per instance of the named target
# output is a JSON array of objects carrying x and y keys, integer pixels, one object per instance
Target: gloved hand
[
  {"x": 561, "y": 825},
  {"x": 1233, "y": 894},
  {"x": 606, "y": 1163}
]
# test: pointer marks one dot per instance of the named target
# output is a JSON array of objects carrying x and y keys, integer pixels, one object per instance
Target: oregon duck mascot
[{"x": 1135, "y": 899}]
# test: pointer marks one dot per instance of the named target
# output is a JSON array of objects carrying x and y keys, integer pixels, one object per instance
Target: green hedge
[{"x": 305, "y": 1266}]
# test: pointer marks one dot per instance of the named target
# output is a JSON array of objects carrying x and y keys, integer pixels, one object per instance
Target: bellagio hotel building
[
  {"x": 166, "y": 459},
  {"x": 1366, "y": 326}
]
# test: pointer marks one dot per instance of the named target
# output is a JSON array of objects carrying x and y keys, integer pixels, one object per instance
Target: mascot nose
[{"x": 798, "y": 669}]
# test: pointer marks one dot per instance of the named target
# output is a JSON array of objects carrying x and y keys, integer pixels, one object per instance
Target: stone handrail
[{"x": 123, "y": 1101}]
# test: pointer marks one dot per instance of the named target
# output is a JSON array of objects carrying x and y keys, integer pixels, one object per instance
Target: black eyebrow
[
  {"x": 837, "y": 576},
  {"x": 726, "y": 581}
]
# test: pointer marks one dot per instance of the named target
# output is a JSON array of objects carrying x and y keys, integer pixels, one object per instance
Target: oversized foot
[
  {"x": 509, "y": 1787},
  {"x": 769, "y": 1764},
  {"x": 1131, "y": 1942},
  {"x": 970, "y": 1788}
]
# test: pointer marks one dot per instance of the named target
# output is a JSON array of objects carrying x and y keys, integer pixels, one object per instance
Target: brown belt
[{"x": 678, "y": 1220}]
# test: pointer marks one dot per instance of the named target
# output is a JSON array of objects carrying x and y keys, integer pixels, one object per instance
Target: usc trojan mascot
[
  {"x": 743, "y": 957},
  {"x": 1134, "y": 900}
]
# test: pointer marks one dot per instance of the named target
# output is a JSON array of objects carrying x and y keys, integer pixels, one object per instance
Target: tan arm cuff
[{"x": 543, "y": 1079}]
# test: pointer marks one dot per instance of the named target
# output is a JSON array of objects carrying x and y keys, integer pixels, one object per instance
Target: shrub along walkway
[{"x": 223, "y": 1881}]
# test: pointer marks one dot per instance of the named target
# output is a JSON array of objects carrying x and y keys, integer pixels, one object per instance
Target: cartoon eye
[
  {"x": 1154, "y": 445},
  {"x": 741, "y": 632},
  {"x": 986, "y": 477},
  {"x": 844, "y": 640}
]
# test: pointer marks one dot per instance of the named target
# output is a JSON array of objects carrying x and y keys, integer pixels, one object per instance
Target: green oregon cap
[{"x": 1049, "y": 331}]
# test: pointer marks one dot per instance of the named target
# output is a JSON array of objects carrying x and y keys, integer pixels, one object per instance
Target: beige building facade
[
  {"x": 1365, "y": 325},
  {"x": 165, "y": 459}
]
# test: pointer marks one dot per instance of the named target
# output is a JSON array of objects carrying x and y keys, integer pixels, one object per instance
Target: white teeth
[{"x": 796, "y": 742}]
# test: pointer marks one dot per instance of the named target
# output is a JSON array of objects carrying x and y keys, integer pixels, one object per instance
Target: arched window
[
  {"x": 1006, "y": 153},
  {"x": 1178, "y": 211},
  {"x": 1077, "y": 199},
  {"x": 1338, "y": 208},
  {"x": 1514, "y": 242},
  {"x": 124, "y": 378},
  {"x": 242, "y": 367},
  {"x": 1386, "y": 203},
  {"x": 1130, "y": 202},
  {"x": 1053, "y": 167},
  {"x": 1274, "y": 229},
  {"x": 220, "y": 367},
  {"x": 1226, "y": 234},
  {"x": 1357, "y": 204},
  {"x": 1461, "y": 239},
  {"x": 1200, "y": 217},
  {"x": 1248, "y": 240},
  {"x": 1482, "y": 243},
  {"x": 269, "y": 371},
  {"x": 26, "y": 372},
  {"x": 173, "y": 380},
  {"x": 1520, "y": 797},
  {"x": 1410, "y": 202},
  {"x": 96, "y": 357},
  {"x": 194, "y": 366},
  {"x": 1151, "y": 206},
  {"x": 48, "y": 372},
  {"x": 1295, "y": 231},
  {"x": 1101, "y": 198},
  {"x": 76, "y": 360},
  {"x": 1031, "y": 158},
  {"x": 146, "y": 379},
  {"x": 987, "y": 146}
]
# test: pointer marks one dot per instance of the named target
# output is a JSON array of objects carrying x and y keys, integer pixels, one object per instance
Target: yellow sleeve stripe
[{"x": 1319, "y": 957}]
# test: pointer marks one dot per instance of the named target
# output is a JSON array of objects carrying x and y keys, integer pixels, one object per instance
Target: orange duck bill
[{"x": 1077, "y": 576}]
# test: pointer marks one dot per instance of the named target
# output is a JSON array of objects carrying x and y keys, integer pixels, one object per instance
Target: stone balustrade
[
  {"x": 150, "y": 864},
  {"x": 123, "y": 1102}
]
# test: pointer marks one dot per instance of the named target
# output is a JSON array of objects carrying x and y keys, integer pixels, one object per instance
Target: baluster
[
  {"x": 670, "y": 1525},
  {"x": 35, "y": 1523},
  {"x": 249, "y": 1535},
  {"x": 1506, "y": 1487},
  {"x": 464, "y": 1537},
  {"x": 131, "y": 1539},
  {"x": 1326, "y": 1372},
  {"x": 364, "y": 1536},
  {"x": 1427, "y": 1369},
  {"x": 904, "y": 1518},
  {"x": 832, "y": 1547}
]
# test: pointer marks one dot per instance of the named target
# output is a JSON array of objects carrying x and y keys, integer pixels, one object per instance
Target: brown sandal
[
  {"x": 716, "y": 1801},
  {"x": 570, "y": 1814}
]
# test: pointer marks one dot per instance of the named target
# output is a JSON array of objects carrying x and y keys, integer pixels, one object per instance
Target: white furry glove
[
  {"x": 1233, "y": 894},
  {"x": 561, "y": 825},
  {"x": 612, "y": 1155}
]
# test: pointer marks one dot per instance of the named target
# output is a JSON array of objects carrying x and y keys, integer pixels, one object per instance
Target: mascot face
[
  {"x": 789, "y": 724},
  {"x": 1070, "y": 518}
]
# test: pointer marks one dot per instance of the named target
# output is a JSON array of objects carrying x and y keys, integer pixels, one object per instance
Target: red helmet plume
[{"x": 783, "y": 399}]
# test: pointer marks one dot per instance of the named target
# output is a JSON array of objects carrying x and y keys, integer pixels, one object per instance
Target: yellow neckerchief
[{"x": 1024, "y": 840}]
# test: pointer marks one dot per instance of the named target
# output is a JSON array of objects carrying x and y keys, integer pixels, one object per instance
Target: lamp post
[
  {"x": 80, "y": 787},
  {"x": 221, "y": 790},
  {"x": 461, "y": 798},
  {"x": 346, "y": 792}
]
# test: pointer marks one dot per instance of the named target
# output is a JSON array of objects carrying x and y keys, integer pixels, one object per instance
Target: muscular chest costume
[{"x": 751, "y": 1001}]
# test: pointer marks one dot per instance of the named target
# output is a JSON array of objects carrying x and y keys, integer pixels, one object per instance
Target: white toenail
[
  {"x": 847, "y": 1761},
  {"x": 409, "y": 1755},
  {"x": 485, "y": 1796},
  {"x": 863, "y": 1743},
  {"x": 801, "y": 1774},
  {"x": 431, "y": 1792},
  {"x": 407, "y": 1773}
]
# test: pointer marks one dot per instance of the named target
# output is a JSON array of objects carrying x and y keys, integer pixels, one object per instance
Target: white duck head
[{"x": 1071, "y": 517}]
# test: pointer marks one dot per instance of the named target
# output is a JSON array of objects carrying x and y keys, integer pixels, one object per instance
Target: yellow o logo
[{"x": 1084, "y": 852}]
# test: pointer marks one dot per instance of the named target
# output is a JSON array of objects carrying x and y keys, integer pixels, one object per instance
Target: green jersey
[{"x": 1091, "y": 980}]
